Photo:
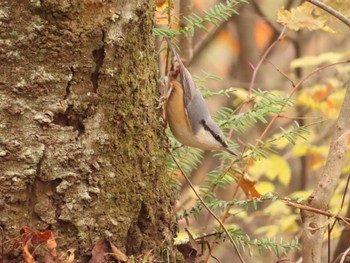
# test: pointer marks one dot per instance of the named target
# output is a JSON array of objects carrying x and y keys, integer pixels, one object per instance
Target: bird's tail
[{"x": 231, "y": 151}]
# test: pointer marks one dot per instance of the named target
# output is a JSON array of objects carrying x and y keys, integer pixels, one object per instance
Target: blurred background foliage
[{"x": 222, "y": 49}]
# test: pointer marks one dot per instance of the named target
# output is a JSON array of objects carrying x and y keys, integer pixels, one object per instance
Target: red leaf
[{"x": 39, "y": 237}]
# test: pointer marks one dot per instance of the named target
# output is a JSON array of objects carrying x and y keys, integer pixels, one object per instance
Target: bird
[{"x": 187, "y": 112}]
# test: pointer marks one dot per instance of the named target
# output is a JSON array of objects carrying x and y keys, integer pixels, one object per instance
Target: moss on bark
[{"x": 81, "y": 142}]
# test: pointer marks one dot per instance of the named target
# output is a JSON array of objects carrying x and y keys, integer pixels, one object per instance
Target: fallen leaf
[
  {"x": 117, "y": 254},
  {"x": 98, "y": 252},
  {"x": 27, "y": 256},
  {"x": 39, "y": 237}
]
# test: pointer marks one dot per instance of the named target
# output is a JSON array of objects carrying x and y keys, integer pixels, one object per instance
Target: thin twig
[
  {"x": 329, "y": 241},
  {"x": 267, "y": 51},
  {"x": 316, "y": 211},
  {"x": 256, "y": 68},
  {"x": 343, "y": 200},
  {"x": 331, "y": 11},
  {"x": 344, "y": 255},
  {"x": 206, "y": 206},
  {"x": 281, "y": 72}
]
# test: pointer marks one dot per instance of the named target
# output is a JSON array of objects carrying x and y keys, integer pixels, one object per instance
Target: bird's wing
[{"x": 195, "y": 105}]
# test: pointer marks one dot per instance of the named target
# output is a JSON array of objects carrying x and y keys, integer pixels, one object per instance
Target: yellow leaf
[
  {"x": 308, "y": 61},
  {"x": 269, "y": 230},
  {"x": 240, "y": 213},
  {"x": 240, "y": 95},
  {"x": 181, "y": 238},
  {"x": 277, "y": 208},
  {"x": 281, "y": 143},
  {"x": 301, "y": 194},
  {"x": 300, "y": 150},
  {"x": 273, "y": 167},
  {"x": 289, "y": 224},
  {"x": 300, "y": 17},
  {"x": 264, "y": 187}
]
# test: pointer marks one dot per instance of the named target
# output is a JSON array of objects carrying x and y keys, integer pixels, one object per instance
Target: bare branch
[
  {"x": 186, "y": 9},
  {"x": 256, "y": 68},
  {"x": 316, "y": 211},
  {"x": 331, "y": 11}
]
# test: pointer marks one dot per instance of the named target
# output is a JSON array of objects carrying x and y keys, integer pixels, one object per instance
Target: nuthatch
[{"x": 187, "y": 112}]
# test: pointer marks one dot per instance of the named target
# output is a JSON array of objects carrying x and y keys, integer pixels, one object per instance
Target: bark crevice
[{"x": 98, "y": 56}]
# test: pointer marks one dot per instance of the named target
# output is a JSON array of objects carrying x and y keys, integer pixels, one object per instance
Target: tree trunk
[{"x": 81, "y": 146}]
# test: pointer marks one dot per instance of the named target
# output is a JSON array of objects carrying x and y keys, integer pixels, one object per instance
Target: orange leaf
[
  {"x": 117, "y": 254},
  {"x": 316, "y": 159},
  {"x": 330, "y": 104},
  {"x": 227, "y": 38},
  {"x": 51, "y": 246},
  {"x": 248, "y": 188},
  {"x": 322, "y": 94},
  {"x": 161, "y": 13},
  {"x": 247, "y": 183},
  {"x": 160, "y": 2},
  {"x": 263, "y": 34},
  {"x": 27, "y": 256}
]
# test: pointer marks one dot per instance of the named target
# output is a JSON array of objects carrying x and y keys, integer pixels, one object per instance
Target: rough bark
[{"x": 81, "y": 147}]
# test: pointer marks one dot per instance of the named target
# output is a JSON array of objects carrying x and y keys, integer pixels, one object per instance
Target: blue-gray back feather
[{"x": 195, "y": 104}]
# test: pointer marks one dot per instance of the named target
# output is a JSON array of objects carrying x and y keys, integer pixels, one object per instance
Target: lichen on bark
[{"x": 81, "y": 143}]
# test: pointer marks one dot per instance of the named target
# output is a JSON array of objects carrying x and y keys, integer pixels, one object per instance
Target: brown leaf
[
  {"x": 98, "y": 252},
  {"x": 117, "y": 254}
]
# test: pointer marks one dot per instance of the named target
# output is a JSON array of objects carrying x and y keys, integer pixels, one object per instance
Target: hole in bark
[
  {"x": 313, "y": 228},
  {"x": 70, "y": 118},
  {"x": 98, "y": 55}
]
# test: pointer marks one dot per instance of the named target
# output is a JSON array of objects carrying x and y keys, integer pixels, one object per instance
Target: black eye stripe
[{"x": 216, "y": 136}]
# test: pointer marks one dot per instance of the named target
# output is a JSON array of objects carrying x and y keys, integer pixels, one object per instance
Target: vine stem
[{"x": 206, "y": 206}]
